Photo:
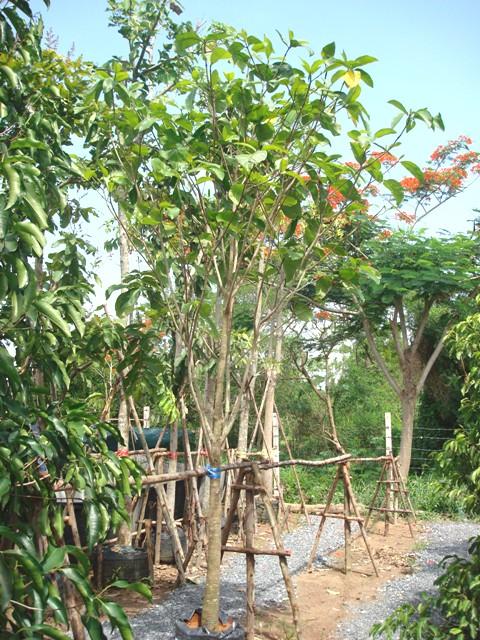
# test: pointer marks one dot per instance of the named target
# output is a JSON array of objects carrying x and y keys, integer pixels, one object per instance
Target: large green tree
[
  {"x": 49, "y": 439},
  {"x": 416, "y": 273},
  {"x": 228, "y": 183}
]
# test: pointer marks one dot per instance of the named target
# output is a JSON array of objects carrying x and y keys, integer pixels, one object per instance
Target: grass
[{"x": 425, "y": 496}]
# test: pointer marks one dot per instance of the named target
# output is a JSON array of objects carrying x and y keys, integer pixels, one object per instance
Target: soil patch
[{"x": 327, "y": 595}]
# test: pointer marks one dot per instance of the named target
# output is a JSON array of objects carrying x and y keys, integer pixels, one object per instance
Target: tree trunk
[
  {"x": 242, "y": 443},
  {"x": 211, "y": 597},
  {"x": 275, "y": 360},
  {"x": 408, "y": 403},
  {"x": 125, "y": 529}
]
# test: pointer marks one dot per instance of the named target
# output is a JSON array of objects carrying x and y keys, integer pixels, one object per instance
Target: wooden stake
[
  {"x": 148, "y": 540},
  {"x": 279, "y": 545},
  {"x": 318, "y": 535},
  {"x": 295, "y": 472},
  {"x": 347, "y": 528},
  {"x": 356, "y": 511},
  {"x": 249, "y": 528}
]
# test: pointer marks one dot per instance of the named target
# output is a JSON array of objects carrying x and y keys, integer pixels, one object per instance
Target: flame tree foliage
[
  {"x": 453, "y": 611},
  {"x": 47, "y": 435}
]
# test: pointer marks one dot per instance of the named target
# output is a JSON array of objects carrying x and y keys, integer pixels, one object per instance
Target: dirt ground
[{"x": 326, "y": 595}]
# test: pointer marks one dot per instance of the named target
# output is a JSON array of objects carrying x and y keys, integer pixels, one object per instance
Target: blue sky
[{"x": 428, "y": 56}]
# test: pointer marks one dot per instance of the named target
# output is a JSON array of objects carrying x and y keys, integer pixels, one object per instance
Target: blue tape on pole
[{"x": 213, "y": 472}]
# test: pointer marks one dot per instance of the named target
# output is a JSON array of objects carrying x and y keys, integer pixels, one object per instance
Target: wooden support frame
[
  {"x": 351, "y": 514},
  {"x": 251, "y": 482},
  {"x": 391, "y": 480}
]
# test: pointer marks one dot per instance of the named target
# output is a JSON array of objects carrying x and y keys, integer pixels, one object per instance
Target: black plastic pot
[
  {"x": 167, "y": 555},
  {"x": 123, "y": 563},
  {"x": 184, "y": 630}
]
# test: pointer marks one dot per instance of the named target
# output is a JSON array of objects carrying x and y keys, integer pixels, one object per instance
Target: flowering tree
[
  {"x": 416, "y": 275},
  {"x": 228, "y": 184},
  {"x": 449, "y": 171}
]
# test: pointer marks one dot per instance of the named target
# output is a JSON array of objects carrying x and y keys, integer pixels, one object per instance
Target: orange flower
[
  {"x": 323, "y": 315},
  {"x": 410, "y": 184},
  {"x": 334, "y": 197},
  {"x": 384, "y": 157},
  {"x": 409, "y": 218},
  {"x": 383, "y": 235}
]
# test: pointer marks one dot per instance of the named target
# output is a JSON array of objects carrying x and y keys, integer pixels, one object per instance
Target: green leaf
[
  {"x": 40, "y": 217},
  {"x": 10, "y": 74},
  {"x": 236, "y": 192},
  {"x": 54, "y": 559},
  {"x": 384, "y": 132},
  {"x": 94, "y": 628},
  {"x": 13, "y": 180},
  {"x": 117, "y": 615},
  {"x": 76, "y": 319},
  {"x": 328, "y": 50},
  {"x": 53, "y": 315},
  {"x": 395, "y": 189},
  {"x": 49, "y": 631},
  {"x": 138, "y": 587},
  {"x": 186, "y": 39},
  {"x": 126, "y": 301},
  {"x": 7, "y": 366},
  {"x": 93, "y": 525},
  {"x": 398, "y": 105},
  {"x": 219, "y": 54},
  {"x": 424, "y": 115},
  {"x": 5, "y": 586},
  {"x": 414, "y": 170}
]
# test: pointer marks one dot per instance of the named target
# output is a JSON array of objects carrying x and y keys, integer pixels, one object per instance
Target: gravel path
[
  {"x": 442, "y": 538},
  {"x": 157, "y": 623}
]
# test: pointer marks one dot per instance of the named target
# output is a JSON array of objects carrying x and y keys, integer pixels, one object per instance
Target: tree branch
[
  {"x": 378, "y": 358},
  {"x": 422, "y": 324},
  {"x": 432, "y": 360}
]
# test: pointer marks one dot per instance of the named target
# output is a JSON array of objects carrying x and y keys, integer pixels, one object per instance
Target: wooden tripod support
[
  {"x": 395, "y": 489},
  {"x": 350, "y": 506},
  {"x": 251, "y": 481}
]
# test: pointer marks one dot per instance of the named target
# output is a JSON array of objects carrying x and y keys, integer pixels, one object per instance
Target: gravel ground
[
  {"x": 442, "y": 539},
  {"x": 157, "y": 623}
]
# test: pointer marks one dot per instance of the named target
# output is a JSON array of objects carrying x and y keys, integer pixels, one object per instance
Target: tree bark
[
  {"x": 408, "y": 404},
  {"x": 275, "y": 360},
  {"x": 211, "y": 598}
]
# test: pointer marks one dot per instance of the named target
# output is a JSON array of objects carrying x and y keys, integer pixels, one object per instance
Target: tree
[
  {"x": 48, "y": 440},
  {"x": 453, "y": 611},
  {"x": 416, "y": 273},
  {"x": 228, "y": 185}
]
